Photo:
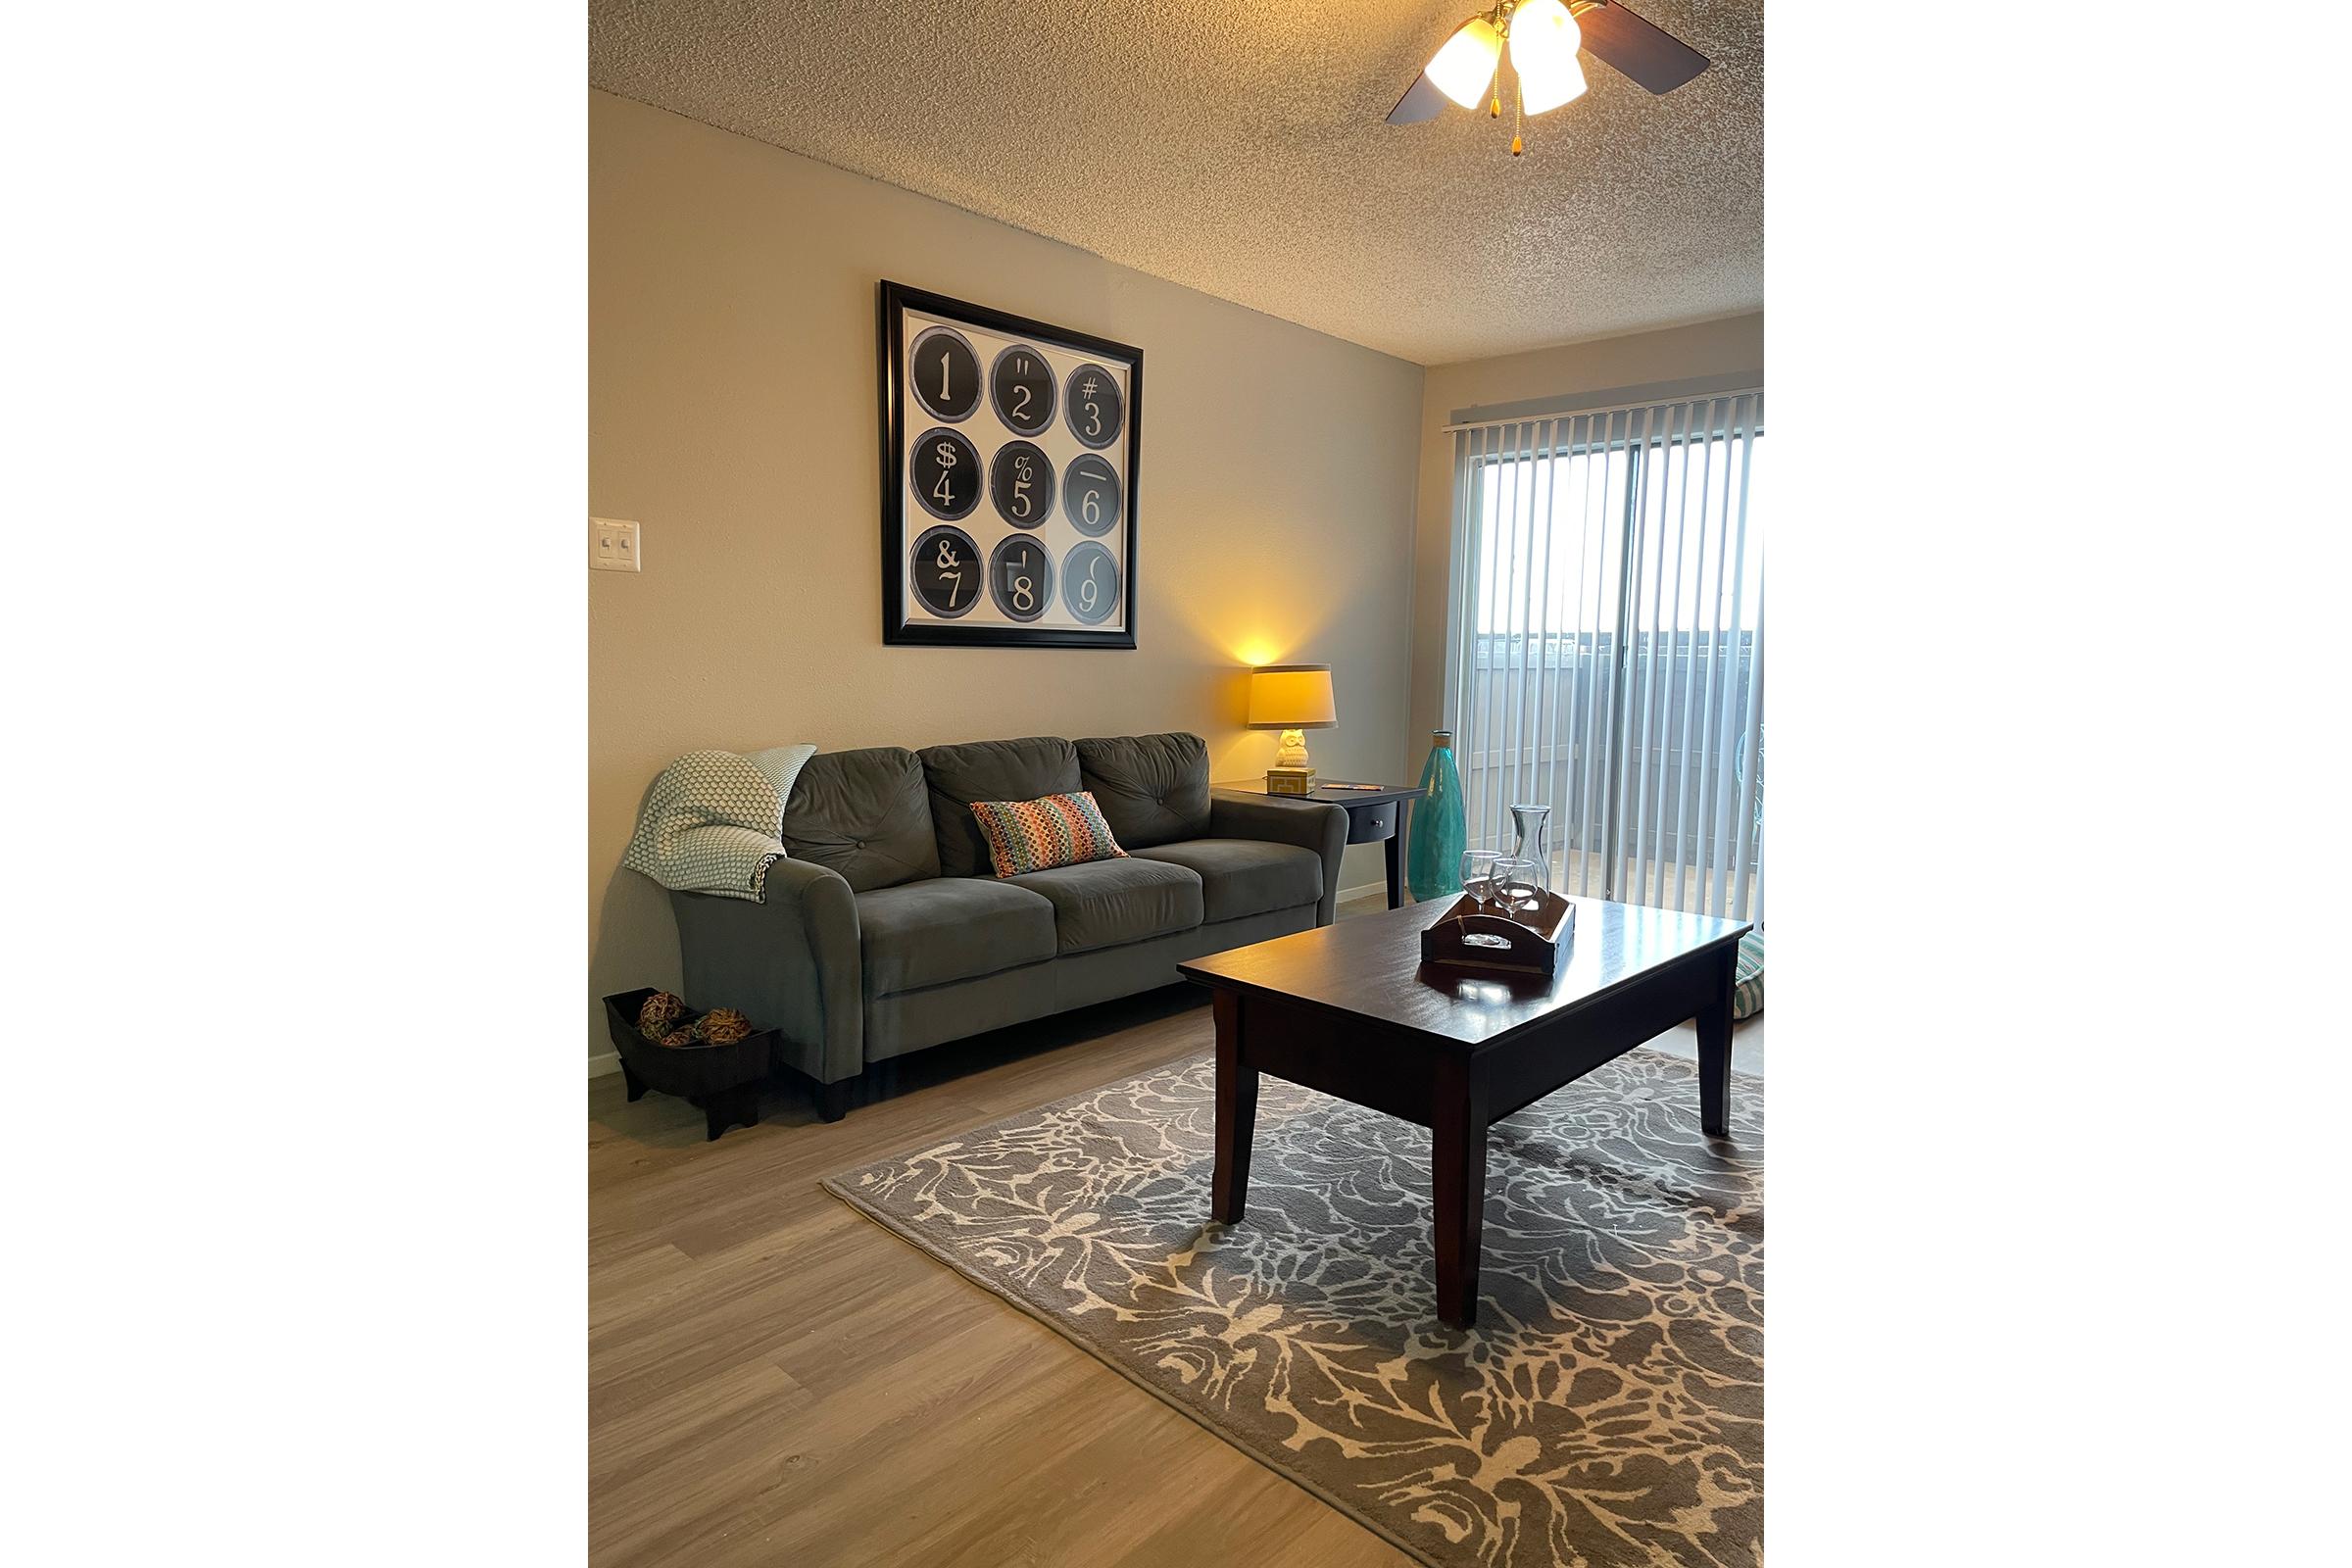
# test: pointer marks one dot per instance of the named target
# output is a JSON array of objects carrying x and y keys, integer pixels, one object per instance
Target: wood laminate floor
[{"x": 774, "y": 1380}]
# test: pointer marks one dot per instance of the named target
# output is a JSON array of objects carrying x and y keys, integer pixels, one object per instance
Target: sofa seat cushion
[
  {"x": 1104, "y": 903},
  {"x": 949, "y": 928},
  {"x": 1245, "y": 876}
]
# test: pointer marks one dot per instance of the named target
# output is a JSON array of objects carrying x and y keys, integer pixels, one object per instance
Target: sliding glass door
[{"x": 1606, "y": 646}]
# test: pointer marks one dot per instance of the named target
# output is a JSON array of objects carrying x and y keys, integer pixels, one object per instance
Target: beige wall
[
  {"x": 732, "y": 413},
  {"x": 1684, "y": 359}
]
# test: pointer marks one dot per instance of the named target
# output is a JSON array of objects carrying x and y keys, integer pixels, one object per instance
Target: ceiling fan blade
[
  {"x": 1651, "y": 56},
  {"x": 1421, "y": 101}
]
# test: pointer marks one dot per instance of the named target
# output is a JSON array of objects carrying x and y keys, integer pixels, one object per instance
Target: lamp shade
[
  {"x": 1291, "y": 697},
  {"x": 1545, "y": 39},
  {"x": 1465, "y": 65}
]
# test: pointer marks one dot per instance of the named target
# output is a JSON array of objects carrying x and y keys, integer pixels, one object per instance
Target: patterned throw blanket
[{"x": 714, "y": 820}]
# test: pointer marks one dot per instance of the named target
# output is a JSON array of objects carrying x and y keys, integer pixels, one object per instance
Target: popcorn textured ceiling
[{"x": 1239, "y": 149}]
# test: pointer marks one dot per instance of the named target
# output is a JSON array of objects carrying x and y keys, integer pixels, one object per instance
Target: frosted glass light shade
[
  {"x": 1291, "y": 697},
  {"x": 1465, "y": 64},
  {"x": 1545, "y": 39}
]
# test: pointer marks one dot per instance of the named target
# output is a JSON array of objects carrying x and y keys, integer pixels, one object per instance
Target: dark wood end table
[
  {"x": 1352, "y": 1010},
  {"x": 1375, "y": 815}
]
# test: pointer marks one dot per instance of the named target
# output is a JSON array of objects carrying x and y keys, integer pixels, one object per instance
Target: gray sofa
[{"x": 885, "y": 930}]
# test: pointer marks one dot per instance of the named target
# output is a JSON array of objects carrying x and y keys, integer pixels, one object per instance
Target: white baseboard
[
  {"x": 1368, "y": 890},
  {"x": 602, "y": 1063}
]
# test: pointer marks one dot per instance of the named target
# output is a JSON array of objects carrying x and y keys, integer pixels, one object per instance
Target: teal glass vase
[{"x": 1433, "y": 861}]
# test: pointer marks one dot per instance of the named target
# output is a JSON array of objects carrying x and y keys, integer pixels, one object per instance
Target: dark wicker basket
[{"x": 721, "y": 1081}]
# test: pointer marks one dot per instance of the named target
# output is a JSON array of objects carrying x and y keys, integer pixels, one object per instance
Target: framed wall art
[{"x": 1008, "y": 478}]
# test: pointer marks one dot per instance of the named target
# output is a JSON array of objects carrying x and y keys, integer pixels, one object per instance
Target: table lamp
[{"x": 1293, "y": 699}]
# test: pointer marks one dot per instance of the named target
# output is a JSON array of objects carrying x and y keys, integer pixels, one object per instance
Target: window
[{"x": 1608, "y": 658}]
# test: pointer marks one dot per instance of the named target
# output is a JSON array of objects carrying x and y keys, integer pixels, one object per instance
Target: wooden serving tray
[{"x": 1527, "y": 940}]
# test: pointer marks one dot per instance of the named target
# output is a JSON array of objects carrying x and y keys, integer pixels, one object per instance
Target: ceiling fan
[{"x": 1544, "y": 36}]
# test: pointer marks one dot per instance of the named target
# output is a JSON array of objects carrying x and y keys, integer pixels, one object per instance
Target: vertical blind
[{"x": 1605, "y": 645}]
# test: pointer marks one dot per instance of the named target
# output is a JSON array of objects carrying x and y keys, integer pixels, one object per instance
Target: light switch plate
[{"x": 613, "y": 545}]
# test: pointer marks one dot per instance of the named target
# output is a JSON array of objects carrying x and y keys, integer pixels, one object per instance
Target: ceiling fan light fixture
[
  {"x": 1465, "y": 64},
  {"x": 1545, "y": 39}
]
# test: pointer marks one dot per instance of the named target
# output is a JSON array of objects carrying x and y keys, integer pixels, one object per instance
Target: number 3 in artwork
[{"x": 1097, "y": 406}]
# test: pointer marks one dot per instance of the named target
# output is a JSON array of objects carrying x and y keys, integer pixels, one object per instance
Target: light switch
[{"x": 613, "y": 545}]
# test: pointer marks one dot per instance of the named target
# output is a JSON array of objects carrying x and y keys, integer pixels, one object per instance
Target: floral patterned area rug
[{"x": 1606, "y": 1409}]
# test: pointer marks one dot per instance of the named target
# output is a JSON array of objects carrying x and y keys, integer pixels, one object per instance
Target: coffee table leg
[
  {"x": 1458, "y": 1184},
  {"x": 1715, "y": 1055},
  {"x": 1236, "y": 1113}
]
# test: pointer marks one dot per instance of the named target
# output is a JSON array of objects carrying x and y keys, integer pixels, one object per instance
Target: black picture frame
[{"x": 928, "y": 630}]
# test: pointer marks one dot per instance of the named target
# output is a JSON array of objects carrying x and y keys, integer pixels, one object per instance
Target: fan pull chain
[
  {"x": 1517, "y": 147},
  {"x": 1494, "y": 102}
]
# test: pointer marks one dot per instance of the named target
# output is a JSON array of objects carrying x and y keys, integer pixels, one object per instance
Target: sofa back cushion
[
  {"x": 990, "y": 771},
  {"x": 865, "y": 814},
  {"x": 1153, "y": 789}
]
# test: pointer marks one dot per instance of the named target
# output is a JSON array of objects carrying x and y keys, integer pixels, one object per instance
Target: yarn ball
[
  {"x": 721, "y": 1026},
  {"x": 676, "y": 1038},
  {"x": 659, "y": 1014}
]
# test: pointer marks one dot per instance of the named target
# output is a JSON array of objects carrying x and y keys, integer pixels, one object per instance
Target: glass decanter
[{"x": 1533, "y": 823}]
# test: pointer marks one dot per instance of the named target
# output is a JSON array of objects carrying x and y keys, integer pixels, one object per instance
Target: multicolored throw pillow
[{"x": 1040, "y": 835}]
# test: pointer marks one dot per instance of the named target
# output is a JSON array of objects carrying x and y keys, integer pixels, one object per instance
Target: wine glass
[
  {"x": 1478, "y": 876},
  {"x": 1517, "y": 883}
]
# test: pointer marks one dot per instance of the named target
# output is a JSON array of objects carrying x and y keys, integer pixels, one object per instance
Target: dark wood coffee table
[{"x": 1352, "y": 1010}]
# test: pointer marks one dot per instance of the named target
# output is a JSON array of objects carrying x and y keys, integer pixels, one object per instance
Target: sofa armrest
[
  {"x": 1310, "y": 824},
  {"x": 790, "y": 963}
]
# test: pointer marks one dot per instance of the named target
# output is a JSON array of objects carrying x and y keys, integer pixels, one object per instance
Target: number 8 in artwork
[{"x": 1021, "y": 577}]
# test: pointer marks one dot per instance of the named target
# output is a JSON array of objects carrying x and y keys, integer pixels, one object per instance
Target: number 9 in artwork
[{"x": 1090, "y": 583}]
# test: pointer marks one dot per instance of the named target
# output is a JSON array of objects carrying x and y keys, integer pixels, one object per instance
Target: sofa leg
[{"x": 833, "y": 1099}]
